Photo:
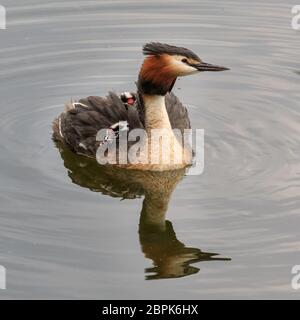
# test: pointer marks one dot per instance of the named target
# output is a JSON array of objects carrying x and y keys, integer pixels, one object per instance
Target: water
[{"x": 58, "y": 239}]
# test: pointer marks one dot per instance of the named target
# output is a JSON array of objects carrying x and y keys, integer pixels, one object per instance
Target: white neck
[{"x": 156, "y": 116}]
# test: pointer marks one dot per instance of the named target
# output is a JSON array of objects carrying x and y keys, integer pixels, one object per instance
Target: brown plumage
[{"x": 159, "y": 72}]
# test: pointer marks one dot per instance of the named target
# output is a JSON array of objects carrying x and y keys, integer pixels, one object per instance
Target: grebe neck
[{"x": 156, "y": 116}]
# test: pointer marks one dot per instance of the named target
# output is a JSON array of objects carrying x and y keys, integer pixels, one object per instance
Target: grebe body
[{"x": 153, "y": 107}]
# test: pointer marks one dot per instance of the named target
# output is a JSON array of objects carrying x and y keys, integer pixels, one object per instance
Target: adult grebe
[{"x": 155, "y": 108}]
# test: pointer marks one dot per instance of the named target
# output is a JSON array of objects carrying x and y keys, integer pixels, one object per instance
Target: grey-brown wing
[
  {"x": 177, "y": 112},
  {"x": 80, "y": 123}
]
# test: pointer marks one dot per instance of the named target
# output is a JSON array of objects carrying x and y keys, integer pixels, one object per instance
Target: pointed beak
[{"x": 209, "y": 67}]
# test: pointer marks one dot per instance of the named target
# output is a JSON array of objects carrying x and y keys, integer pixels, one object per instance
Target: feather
[{"x": 78, "y": 125}]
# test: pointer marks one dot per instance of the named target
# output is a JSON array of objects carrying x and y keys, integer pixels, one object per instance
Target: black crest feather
[{"x": 157, "y": 48}]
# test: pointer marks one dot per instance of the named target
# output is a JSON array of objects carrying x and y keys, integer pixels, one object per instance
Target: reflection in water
[{"x": 171, "y": 259}]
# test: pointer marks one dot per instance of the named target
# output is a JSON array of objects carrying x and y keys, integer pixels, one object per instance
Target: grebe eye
[{"x": 184, "y": 60}]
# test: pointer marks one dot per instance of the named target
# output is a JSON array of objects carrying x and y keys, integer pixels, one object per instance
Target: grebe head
[{"x": 164, "y": 63}]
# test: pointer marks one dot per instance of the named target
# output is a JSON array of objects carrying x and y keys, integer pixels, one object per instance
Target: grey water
[{"x": 231, "y": 232}]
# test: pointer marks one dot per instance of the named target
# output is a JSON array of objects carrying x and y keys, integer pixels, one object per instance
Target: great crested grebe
[{"x": 153, "y": 107}]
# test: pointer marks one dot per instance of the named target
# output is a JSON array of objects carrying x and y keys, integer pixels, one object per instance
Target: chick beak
[{"x": 209, "y": 67}]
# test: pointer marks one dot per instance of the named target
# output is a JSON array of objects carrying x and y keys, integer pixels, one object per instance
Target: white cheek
[
  {"x": 183, "y": 69},
  {"x": 186, "y": 70}
]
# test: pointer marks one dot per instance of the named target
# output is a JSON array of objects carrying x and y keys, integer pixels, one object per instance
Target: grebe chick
[{"x": 153, "y": 107}]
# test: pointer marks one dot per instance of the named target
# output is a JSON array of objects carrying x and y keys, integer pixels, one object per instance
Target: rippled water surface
[{"x": 58, "y": 239}]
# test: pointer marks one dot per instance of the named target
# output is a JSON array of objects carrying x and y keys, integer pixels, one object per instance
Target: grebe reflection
[{"x": 171, "y": 258}]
